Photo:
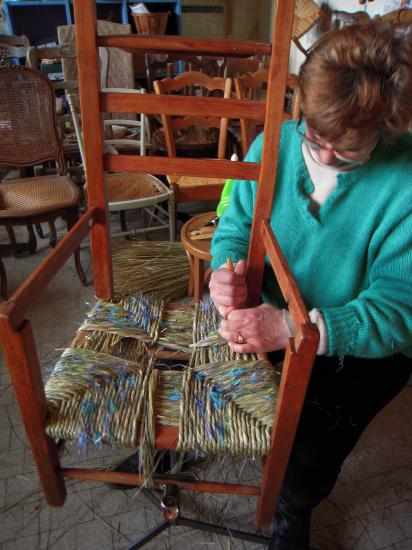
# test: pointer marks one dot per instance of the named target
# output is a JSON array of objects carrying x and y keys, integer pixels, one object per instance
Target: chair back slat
[
  {"x": 220, "y": 168},
  {"x": 184, "y": 46}
]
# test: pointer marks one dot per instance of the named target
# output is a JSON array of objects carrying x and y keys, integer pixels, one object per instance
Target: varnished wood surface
[
  {"x": 151, "y": 104},
  {"x": 20, "y": 354},
  {"x": 89, "y": 86},
  {"x": 216, "y": 168},
  {"x": 199, "y": 248},
  {"x": 286, "y": 281},
  {"x": 296, "y": 371},
  {"x": 193, "y": 46},
  {"x": 297, "y": 367},
  {"x": 282, "y": 439},
  {"x": 278, "y": 71}
]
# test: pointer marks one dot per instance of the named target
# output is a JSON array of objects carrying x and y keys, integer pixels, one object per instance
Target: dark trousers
[{"x": 340, "y": 402}]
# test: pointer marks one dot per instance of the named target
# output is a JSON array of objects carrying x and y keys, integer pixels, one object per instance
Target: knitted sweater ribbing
[{"x": 353, "y": 260}]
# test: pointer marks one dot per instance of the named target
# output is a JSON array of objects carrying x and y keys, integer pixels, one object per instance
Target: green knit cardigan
[{"x": 352, "y": 259}]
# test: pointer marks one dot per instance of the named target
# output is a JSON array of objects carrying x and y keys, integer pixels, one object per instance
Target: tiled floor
[{"x": 370, "y": 508}]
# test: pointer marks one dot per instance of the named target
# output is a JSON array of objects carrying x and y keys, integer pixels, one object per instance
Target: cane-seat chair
[
  {"x": 194, "y": 132},
  {"x": 28, "y": 137},
  {"x": 16, "y": 335}
]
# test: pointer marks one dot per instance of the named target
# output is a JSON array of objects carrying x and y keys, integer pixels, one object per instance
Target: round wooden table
[{"x": 197, "y": 251}]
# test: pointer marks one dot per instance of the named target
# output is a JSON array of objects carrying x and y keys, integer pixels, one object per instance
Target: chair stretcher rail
[{"x": 136, "y": 479}]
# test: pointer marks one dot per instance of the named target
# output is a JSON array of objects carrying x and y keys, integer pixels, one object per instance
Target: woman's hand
[
  {"x": 228, "y": 288},
  {"x": 261, "y": 328}
]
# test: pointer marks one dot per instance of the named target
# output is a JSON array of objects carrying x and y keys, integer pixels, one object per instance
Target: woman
[{"x": 342, "y": 215}]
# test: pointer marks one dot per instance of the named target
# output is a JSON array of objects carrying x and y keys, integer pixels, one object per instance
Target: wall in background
[{"x": 238, "y": 19}]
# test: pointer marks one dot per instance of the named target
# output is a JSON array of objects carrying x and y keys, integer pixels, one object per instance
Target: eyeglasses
[{"x": 318, "y": 146}]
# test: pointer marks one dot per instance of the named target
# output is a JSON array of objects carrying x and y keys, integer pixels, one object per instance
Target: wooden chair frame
[{"x": 16, "y": 333}]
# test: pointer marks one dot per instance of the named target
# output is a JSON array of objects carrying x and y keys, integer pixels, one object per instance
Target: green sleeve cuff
[{"x": 342, "y": 325}]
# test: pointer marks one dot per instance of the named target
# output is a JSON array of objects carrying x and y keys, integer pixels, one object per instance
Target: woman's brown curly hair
[{"x": 357, "y": 83}]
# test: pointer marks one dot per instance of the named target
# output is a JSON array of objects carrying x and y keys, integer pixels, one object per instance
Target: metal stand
[{"x": 169, "y": 504}]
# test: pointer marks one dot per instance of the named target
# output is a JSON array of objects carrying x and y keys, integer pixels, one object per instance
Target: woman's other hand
[
  {"x": 261, "y": 328},
  {"x": 228, "y": 289}
]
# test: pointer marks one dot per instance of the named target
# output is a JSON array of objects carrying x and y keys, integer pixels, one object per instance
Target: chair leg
[
  {"x": 123, "y": 223},
  {"x": 172, "y": 217},
  {"x": 190, "y": 289},
  {"x": 39, "y": 230},
  {"x": 23, "y": 364},
  {"x": 12, "y": 238},
  {"x": 18, "y": 248},
  {"x": 53, "y": 234},
  {"x": 3, "y": 280},
  {"x": 71, "y": 219},
  {"x": 32, "y": 244},
  {"x": 198, "y": 278}
]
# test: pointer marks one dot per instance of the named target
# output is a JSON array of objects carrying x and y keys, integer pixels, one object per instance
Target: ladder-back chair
[
  {"x": 16, "y": 333},
  {"x": 254, "y": 87},
  {"x": 193, "y": 132}
]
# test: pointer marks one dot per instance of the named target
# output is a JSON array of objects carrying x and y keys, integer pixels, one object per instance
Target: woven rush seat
[
  {"x": 193, "y": 181},
  {"x": 129, "y": 187},
  {"x": 108, "y": 388},
  {"x": 33, "y": 196}
]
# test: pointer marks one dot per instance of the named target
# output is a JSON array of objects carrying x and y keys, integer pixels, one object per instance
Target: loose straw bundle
[{"x": 159, "y": 269}]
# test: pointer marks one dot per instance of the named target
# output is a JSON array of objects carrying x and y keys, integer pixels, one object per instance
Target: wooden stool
[{"x": 197, "y": 251}]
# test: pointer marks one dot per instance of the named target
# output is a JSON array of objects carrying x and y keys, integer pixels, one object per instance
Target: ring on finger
[{"x": 240, "y": 339}]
